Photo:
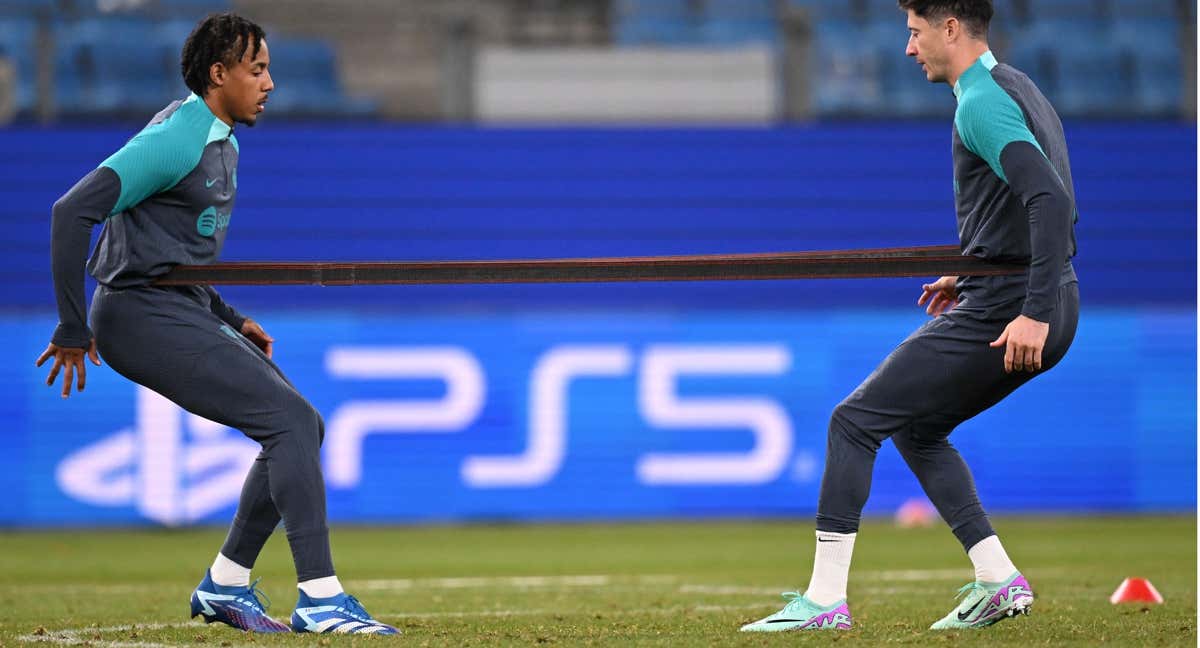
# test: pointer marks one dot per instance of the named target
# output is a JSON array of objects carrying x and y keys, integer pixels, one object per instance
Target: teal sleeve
[
  {"x": 990, "y": 121},
  {"x": 155, "y": 160}
]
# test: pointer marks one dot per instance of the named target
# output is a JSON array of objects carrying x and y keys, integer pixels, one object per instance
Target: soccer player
[
  {"x": 989, "y": 335},
  {"x": 166, "y": 198}
]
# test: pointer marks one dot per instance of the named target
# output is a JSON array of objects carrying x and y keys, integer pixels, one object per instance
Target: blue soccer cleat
[
  {"x": 234, "y": 606},
  {"x": 341, "y": 614}
]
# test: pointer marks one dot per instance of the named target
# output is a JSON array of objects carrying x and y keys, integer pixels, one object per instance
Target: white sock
[
  {"x": 321, "y": 587},
  {"x": 831, "y": 568},
  {"x": 227, "y": 573},
  {"x": 992, "y": 565}
]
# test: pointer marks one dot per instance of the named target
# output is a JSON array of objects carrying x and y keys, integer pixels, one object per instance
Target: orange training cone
[{"x": 1136, "y": 590}]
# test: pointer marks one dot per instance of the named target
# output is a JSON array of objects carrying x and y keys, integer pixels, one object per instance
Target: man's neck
[
  {"x": 213, "y": 106},
  {"x": 969, "y": 54}
]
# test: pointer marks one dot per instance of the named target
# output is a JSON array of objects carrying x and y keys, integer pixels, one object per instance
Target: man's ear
[
  {"x": 952, "y": 29},
  {"x": 217, "y": 74}
]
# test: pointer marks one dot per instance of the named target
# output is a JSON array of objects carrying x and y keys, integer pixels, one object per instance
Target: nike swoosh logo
[
  {"x": 209, "y": 183},
  {"x": 824, "y": 540},
  {"x": 962, "y": 616}
]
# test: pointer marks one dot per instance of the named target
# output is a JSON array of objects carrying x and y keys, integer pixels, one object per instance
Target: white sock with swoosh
[{"x": 831, "y": 568}]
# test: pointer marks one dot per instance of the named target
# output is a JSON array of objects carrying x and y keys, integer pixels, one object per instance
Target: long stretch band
[{"x": 839, "y": 264}]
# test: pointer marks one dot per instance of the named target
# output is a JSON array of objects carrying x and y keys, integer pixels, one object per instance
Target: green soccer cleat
[
  {"x": 986, "y": 603},
  {"x": 802, "y": 614}
]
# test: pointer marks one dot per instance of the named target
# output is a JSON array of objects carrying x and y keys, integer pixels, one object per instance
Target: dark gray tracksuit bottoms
[
  {"x": 942, "y": 375},
  {"x": 166, "y": 339}
]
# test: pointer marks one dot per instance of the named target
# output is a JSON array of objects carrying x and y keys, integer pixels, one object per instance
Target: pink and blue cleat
[
  {"x": 802, "y": 614},
  {"x": 986, "y": 603}
]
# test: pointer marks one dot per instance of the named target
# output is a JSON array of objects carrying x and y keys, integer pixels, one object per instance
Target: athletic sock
[
  {"x": 992, "y": 564},
  {"x": 831, "y": 568},
  {"x": 321, "y": 587},
  {"x": 227, "y": 573}
]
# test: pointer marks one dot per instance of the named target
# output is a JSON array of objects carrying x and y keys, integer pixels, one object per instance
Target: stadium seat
[
  {"x": 305, "y": 74},
  {"x": 655, "y": 22},
  {"x": 1156, "y": 64},
  {"x": 878, "y": 10},
  {"x": 18, "y": 44},
  {"x": 28, "y": 8},
  {"x": 1065, "y": 10},
  {"x": 828, "y": 9},
  {"x": 1032, "y": 51},
  {"x": 1144, "y": 9},
  {"x": 1092, "y": 81},
  {"x": 192, "y": 10},
  {"x": 736, "y": 22},
  {"x": 846, "y": 73},
  {"x": 906, "y": 91},
  {"x": 103, "y": 65}
]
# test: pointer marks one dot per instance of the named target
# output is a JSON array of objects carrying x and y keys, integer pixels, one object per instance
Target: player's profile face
[
  {"x": 926, "y": 45},
  {"x": 249, "y": 85}
]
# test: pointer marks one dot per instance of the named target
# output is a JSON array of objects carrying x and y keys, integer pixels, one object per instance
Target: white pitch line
[
  {"x": 520, "y": 582},
  {"x": 535, "y": 612}
]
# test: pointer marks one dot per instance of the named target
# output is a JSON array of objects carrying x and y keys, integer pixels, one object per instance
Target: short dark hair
[
  {"x": 975, "y": 14},
  {"x": 223, "y": 38}
]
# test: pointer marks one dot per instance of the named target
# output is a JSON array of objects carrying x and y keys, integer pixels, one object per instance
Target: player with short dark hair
[
  {"x": 166, "y": 198},
  {"x": 1015, "y": 202}
]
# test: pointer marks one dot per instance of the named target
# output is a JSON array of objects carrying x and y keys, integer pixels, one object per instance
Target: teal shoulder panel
[
  {"x": 988, "y": 120},
  {"x": 157, "y": 158}
]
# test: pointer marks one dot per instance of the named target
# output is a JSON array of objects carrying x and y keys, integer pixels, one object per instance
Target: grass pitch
[{"x": 666, "y": 584}]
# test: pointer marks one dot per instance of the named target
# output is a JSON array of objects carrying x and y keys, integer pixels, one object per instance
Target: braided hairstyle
[{"x": 219, "y": 38}]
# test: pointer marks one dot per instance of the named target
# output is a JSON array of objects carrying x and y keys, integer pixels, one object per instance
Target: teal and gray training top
[
  {"x": 165, "y": 199},
  {"x": 1012, "y": 185}
]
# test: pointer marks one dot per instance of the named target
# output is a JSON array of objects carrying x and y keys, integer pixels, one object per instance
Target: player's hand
[
  {"x": 258, "y": 336},
  {"x": 941, "y": 295},
  {"x": 1024, "y": 339},
  {"x": 72, "y": 360}
]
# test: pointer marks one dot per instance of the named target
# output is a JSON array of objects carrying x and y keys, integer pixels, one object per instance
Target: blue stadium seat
[
  {"x": 1144, "y": 9},
  {"x": 906, "y": 91},
  {"x": 1087, "y": 10},
  {"x": 106, "y": 65},
  {"x": 1092, "y": 80},
  {"x": 828, "y": 9},
  {"x": 28, "y": 8},
  {"x": 1156, "y": 64},
  {"x": 879, "y": 10},
  {"x": 1033, "y": 52},
  {"x": 655, "y": 22},
  {"x": 191, "y": 9},
  {"x": 735, "y": 22},
  {"x": 847, "y": 79},
  {"x": 18, "y": 44},
  {"x": 306, "y": 81}
]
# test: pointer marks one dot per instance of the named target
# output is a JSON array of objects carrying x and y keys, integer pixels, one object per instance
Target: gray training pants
[
  {"x": 942, "y": 375},
  {"x": 166, "y": 339}
]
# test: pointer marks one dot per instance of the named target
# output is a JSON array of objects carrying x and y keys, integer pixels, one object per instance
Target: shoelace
[
  {"x": 356, "y": 609},
  {"x": 795, "y": 600},
  {"x": 256, "y": 593},
  {"x": 967, "y": 589}
]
